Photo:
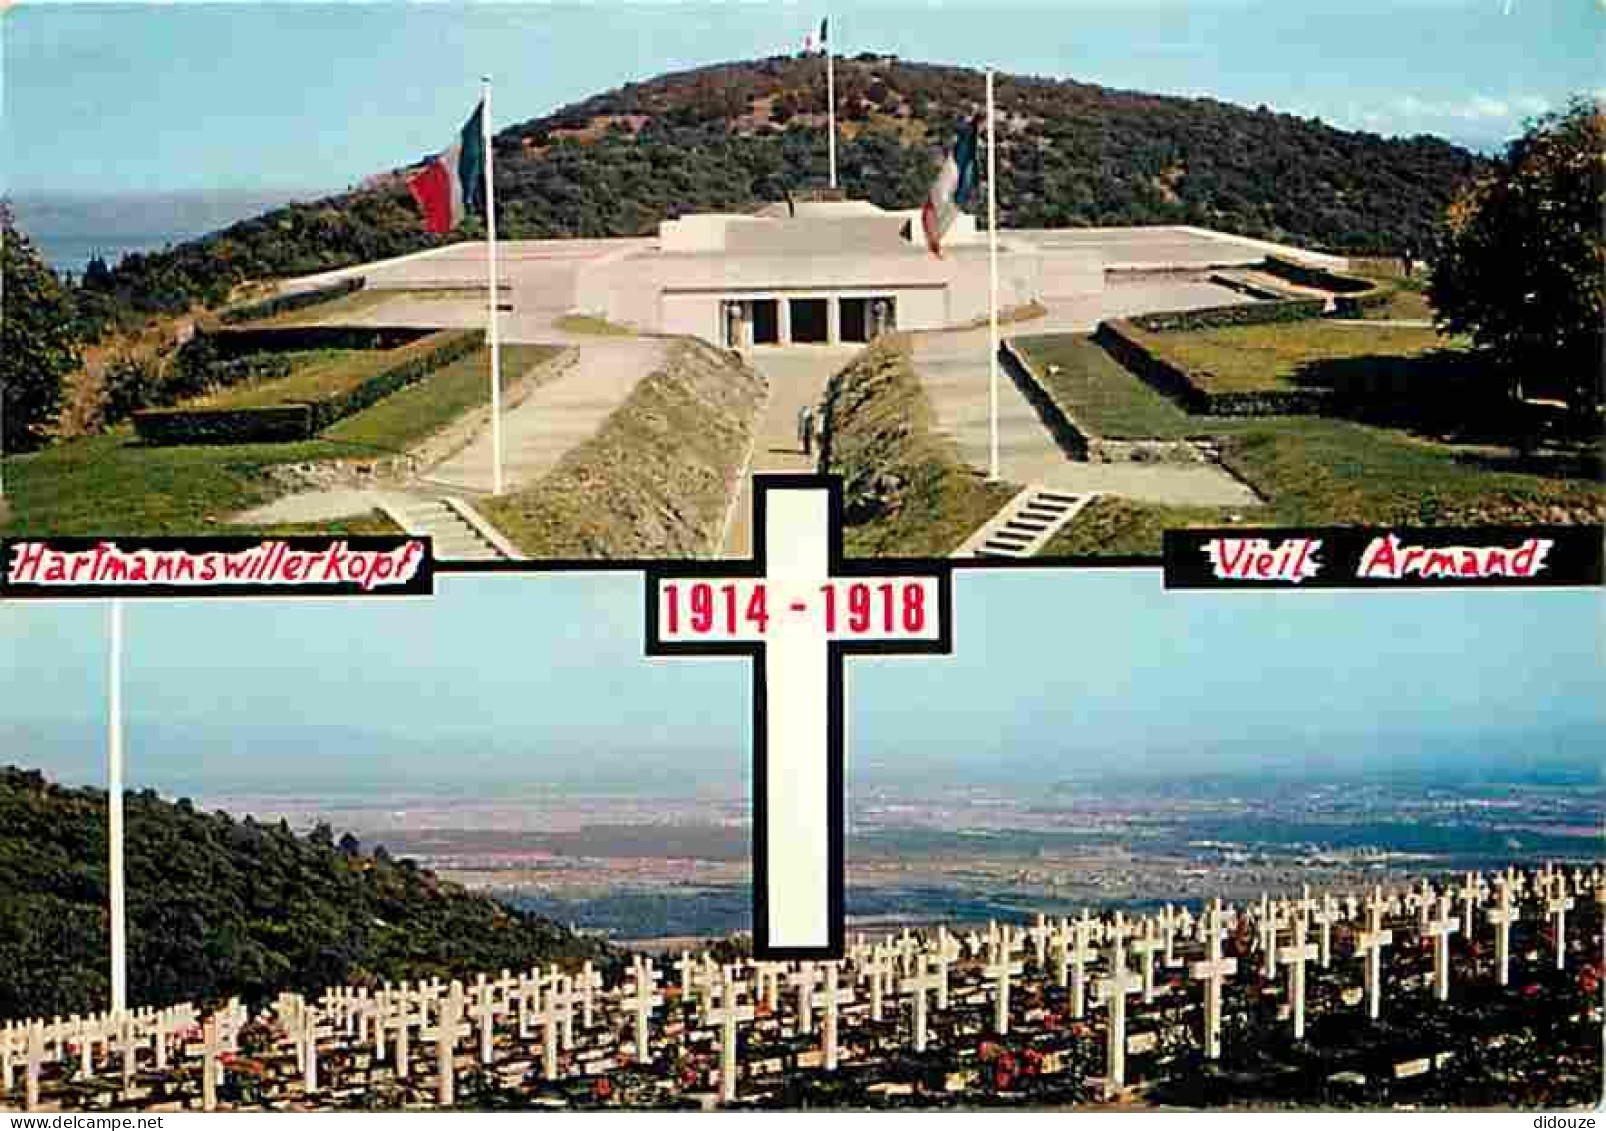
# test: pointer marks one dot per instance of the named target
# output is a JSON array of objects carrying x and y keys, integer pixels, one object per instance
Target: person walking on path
[{"x": 805, "y": 429}]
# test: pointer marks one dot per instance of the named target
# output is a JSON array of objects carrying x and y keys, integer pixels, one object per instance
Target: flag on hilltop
[
  {"x": 453, "y": 183},
  {"x": 955, "y": 185},
  {"x": 808, "y": 38}
]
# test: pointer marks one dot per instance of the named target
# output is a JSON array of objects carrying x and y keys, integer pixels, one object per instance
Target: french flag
[
  {"x": 954, "y": 186},
  {"x": 452, "y": 184}
]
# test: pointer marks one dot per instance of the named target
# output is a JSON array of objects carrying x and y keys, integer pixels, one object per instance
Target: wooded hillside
[
  {"x": 219, "y": 906},
  {"x": 733, "y": 135}
]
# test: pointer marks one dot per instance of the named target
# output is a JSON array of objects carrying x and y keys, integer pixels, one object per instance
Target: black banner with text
[{"x": 1383, "y": 557}]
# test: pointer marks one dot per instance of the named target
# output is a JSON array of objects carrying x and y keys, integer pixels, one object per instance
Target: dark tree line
[
  {"x": 735, "y": 135},
  {"x": 219, "y": 906}
]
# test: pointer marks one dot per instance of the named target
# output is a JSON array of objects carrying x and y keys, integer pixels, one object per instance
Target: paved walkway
[
  {"x": 554, "y": 418},
  {"x": 797, "y": 376},
  {"x": 550, "y": 421},
  {"x": 953, "y": 367}
]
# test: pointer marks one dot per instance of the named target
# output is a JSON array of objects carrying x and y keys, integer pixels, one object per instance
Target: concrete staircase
[
  {"x": 459, "y": 533},
  {"x": 1025, "y": 525}
]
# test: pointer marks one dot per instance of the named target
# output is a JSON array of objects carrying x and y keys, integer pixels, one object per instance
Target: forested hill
[
  {"x": 218, "y": 906},
  {"x": 733, "y": 135}
]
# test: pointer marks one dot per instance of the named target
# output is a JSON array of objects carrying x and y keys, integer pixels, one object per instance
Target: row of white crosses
[
  {"x": 72, "y": 1042},
  {"x": 919, "y": 968}
]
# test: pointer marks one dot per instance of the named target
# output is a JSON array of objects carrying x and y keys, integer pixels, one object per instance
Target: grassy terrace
[
  {"x": 112, "y": 484},
  {"x": 1102, "y": 395},
  {"x": 316, "y": 375},
  {"x": 1294, "y": 355},
  {"x": 1311, "y": 470},
  {"x": 1318, "y": 472}
]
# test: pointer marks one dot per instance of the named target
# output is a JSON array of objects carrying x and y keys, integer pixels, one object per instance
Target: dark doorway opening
[
  {"x": 855, "y": 320},
  {"x": 810, "y": 320},
  {"x": 766, "y": 321}
]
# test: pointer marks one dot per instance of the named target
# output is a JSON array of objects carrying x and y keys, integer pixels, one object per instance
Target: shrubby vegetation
[
  {"x": 734, "y": 135},
  {"x": 219, "y": 906},
  {"x": 1521, "y": 261},
  {"x": 38, "y": 344}
]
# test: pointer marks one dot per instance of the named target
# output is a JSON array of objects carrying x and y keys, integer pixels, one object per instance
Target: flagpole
[
  {"x": 830, "y": 95},
  {"x": 992, "y": 240},
  {"x": 490, "y": 256},
  {"x": 114, "y": 801}
]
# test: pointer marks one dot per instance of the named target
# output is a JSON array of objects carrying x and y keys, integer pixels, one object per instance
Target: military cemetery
[{"x": 1206, "y": 1006}]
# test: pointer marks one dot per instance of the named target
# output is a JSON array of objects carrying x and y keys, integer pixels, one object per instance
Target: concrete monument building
[{"x": 828, "y": 272}]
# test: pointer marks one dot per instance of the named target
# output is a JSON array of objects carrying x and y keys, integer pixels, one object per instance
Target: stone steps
[
  {"x": 1025, "y": 525},
  {"x": 452, "y": 526}
]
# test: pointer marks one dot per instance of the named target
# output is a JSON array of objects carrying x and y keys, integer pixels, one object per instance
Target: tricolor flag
[
  {"x": 453, "y": 184},
  {"x": 808, "y": 38},
  {"x": 955, "y": 185}
]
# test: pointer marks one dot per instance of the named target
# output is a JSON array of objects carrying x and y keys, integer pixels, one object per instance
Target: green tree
[
  {"x": 39, "y": 345},
  {"x": 1521, "y": 262}
]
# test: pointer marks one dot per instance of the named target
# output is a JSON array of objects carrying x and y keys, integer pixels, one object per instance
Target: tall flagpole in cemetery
[
  {"x": 992, "y": 255},
  {"x": 830, "y": 89},
  {"x": 491, "y": 302},
  {"x": 114, "y": 803}
]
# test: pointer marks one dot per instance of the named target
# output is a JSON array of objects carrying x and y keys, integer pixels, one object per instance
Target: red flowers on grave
[
  {"x": 1589, "y": 979},
  {"x": 602, "y": 1090}
]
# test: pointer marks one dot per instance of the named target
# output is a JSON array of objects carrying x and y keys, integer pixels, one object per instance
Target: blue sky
[
  {"x": 103, "y": 98},
  {"x": 532, "y": 680}
]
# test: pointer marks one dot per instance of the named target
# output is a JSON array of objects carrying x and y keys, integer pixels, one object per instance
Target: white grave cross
[
  {"x": 1371, "y": 942},
  {"x": 1215, "y": 970},
  {"x": 797, "y": 610},
  {"x": 1558, "y": 903},
  {"x": 642, "y": 996},
  {"x": 919, "y": 984},
  {"x": 1294, "y": 956},
  {"x": 730, "y": 1013},
  {"x": 1440, "y": 930},
  {"x": 1113, "y": 990},
  {"x": 1001, "y": 968},
  {"x": 1502, "y": 915}
]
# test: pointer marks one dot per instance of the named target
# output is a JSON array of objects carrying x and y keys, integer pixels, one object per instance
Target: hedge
[
  {"x": 237, "y": 341},
  {"x": 1321, "y": 278},
  {"x": 263, "y": 425},
  {"x": 1242, "y": 314},
  {"x": 1352, "y": 296},
  {"x": 282, "y": 304},
  {"x": 453, "y": 345}
]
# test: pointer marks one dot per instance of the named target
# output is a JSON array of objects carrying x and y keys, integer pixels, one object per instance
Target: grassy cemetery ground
[
  {"x": 1297, "y": 355},
  {"x": 112, "y": 482},
  {"x": 1407, "y": 301},
  {"x": 906, "y": 489},
  {"x": 315, "y": 375},
  {"x": 1311, "y": 470}
]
